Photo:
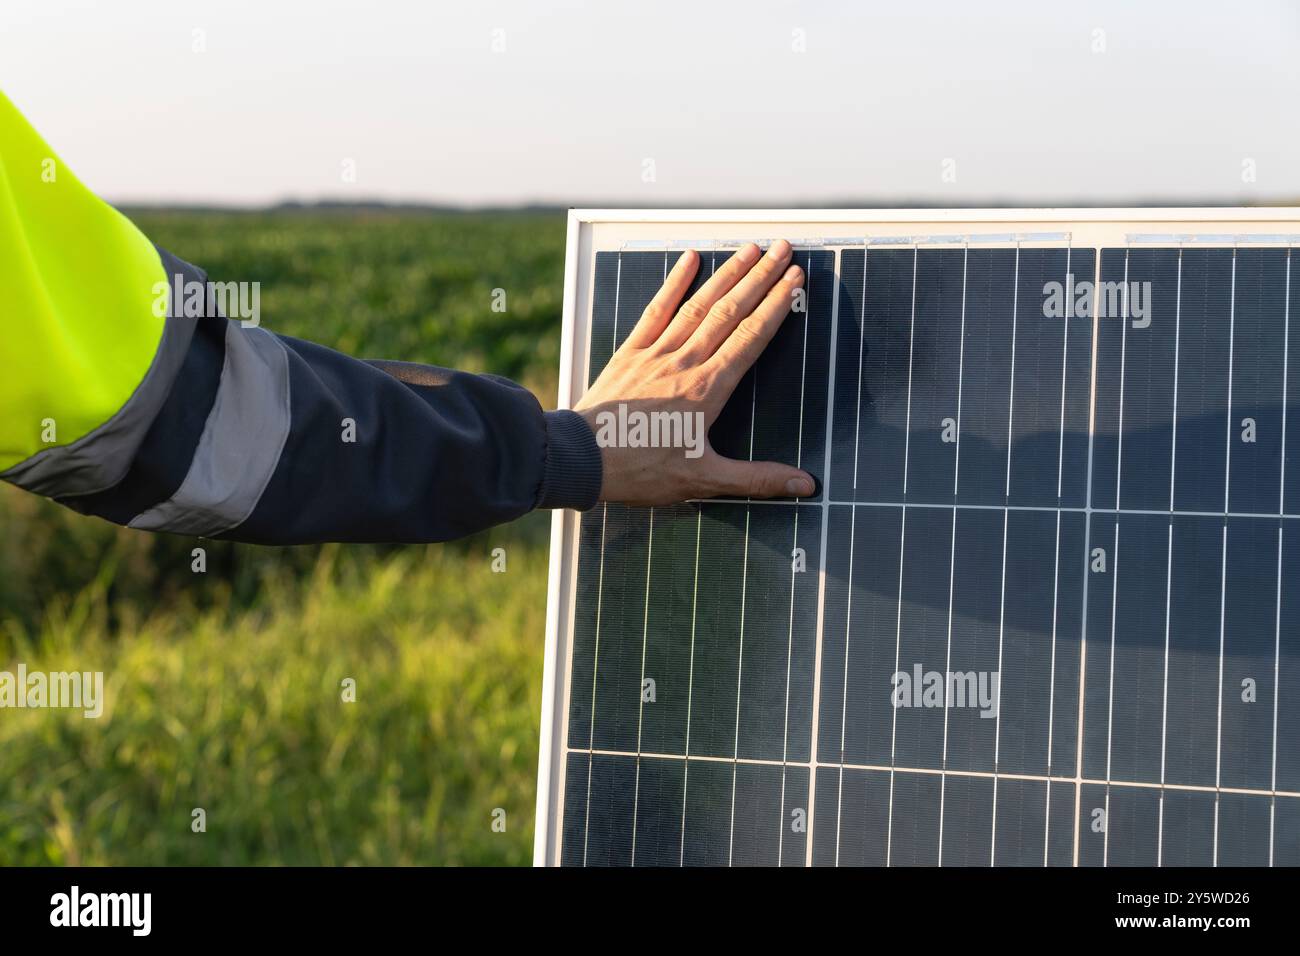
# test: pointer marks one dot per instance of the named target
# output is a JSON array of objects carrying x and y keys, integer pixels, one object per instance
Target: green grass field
[{"x": 224, "y": 688}]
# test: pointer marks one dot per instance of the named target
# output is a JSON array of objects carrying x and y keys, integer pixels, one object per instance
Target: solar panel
[{"x": 1045, "y": 607}]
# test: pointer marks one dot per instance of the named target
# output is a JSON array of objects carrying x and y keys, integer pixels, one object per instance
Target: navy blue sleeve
[{"x": 400, "y": 452}]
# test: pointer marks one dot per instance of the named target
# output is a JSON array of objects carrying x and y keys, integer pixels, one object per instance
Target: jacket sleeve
[{"x": 131, "y": 397}]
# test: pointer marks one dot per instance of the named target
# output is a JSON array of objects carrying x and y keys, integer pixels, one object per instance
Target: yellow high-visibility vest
[{"x": 79, "y": 289}]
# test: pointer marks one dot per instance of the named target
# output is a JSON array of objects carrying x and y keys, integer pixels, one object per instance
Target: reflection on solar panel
[{"x": 1046, "y": 607}]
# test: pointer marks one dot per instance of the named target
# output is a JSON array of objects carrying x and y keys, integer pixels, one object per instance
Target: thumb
[{"x": 759, "y": 479}]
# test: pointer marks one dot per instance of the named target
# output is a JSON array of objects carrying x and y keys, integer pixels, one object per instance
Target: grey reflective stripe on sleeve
[
  {"x": 100, "y": 458},
  {"x": 241, "y": 441}
]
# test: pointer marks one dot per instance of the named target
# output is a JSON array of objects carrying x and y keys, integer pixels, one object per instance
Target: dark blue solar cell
[
  {"x": 780, "y": 586},
  {"x": 1052, "y": 381},
  {"x": 1249, "y": 641},
  {"x": 1138, "y": 322},
  {"x": 1258, "y": 356},
  {"x": 967, "y": 821},
  {"x": 852, "y": 823},
  {"x": 604, "y": 312},
  {"x": 658, "y": 808},
  {"x": 670, "y": 613},
  {"x": 1098, "y": 642},
  {"x": 710, "y": 802},
  {"x": 1192, "y": 677},
  {"x": 913, "y": 836},
  {"x": 1132, "y": 836},
  {"x": 610, "y": 811},
  {"x": 1022, "y": 822},
  {"x": 1291, "y": 386},
  {"x": 615, "y": 697},
  {"x": 862, "y": 562},
  {"x": 974, "y": 647},
  {"x": 933, "y": 394},
  {"x": 716, "y": 633},
  {"x": 574, "y": 831},
  {"x": 1286, "y": 831},
  {"x": 989, "y": 321},
  {"x": 873, "y": 350},
  {"x": 1288, "y": 662},
  {"x": 1136, "y": 649},
  {"x": 922, "y": 638},
  {"x": 761, "y": 829},
  {"x": 1187, "y": 828},
  {"x": 1243, "y": 829},
  {"x": 1205, "y": 337},
  {"x": 1039, "y": 672},
  {"x": 1091, "y": 824}
]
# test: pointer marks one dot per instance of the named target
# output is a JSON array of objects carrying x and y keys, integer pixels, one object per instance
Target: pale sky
[{"x": 757, "y": 102}]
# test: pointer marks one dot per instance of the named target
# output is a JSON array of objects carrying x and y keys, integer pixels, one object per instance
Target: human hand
[{"x": 675, "y": 372}]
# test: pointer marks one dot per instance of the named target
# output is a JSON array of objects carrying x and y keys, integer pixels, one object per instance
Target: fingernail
[
  {"x": 780, "y": 249},
  {"x": 750, "y": 253},
  {"x": 792, "y": 273},
  {"x": 799, "y": 487}
]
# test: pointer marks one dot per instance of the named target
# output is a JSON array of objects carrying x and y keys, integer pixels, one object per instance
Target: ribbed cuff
[{"x": 573, "y": 471}]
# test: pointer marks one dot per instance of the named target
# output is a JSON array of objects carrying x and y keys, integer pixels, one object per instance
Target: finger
[
  {"x": 695, "y": 308},
  {"x": 733, "y": 307},
  {"x": 661, "y": 308},
  {"x": 746, "y": 343},
  {"x": 758, "y": 479}
]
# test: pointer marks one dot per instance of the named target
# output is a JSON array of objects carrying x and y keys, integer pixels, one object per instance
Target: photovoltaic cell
[{"x": 1045, "y": 609}]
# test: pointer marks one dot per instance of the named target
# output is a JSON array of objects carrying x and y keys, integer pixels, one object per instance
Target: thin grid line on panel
[
  {"x": 789, "y": 647},
  {"x": 1281, "y": 509},
  {"x": 640, "y": 714},
  {"x": 1218, "y": 734},
  {"x": 690, "y": 679},
  {"x": 1087, "y": 554},
  {"x": 740, "y": 660},
  {"x": 936, "y": 771},
  {"x": 814, "y": 735},
  {"x": 952, "y": 559},
  {"x": 972, "y": 506},
  {"x": 1114, "y": 593},
  {"x": 844, "y": 696},
  {"x": 1223, "y": 580},
  {"x": 600, "y": 592},
  {"x": 1169, "y": 560},
  {"x": 853, "y": 522},
  {"x": 1051, "y": 683},
  {"x": 902, "y": 552},
  {"x": 1164, "y": 692},
  {"x": 690, "y": 686},
  {"x": 645, "y": 642},
  {"x": 1056, "y": 550},
  {"x": 1002, "y": 587}
]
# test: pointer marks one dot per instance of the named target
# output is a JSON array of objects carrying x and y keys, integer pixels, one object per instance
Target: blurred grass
[{"x": 224, "y": 688}]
